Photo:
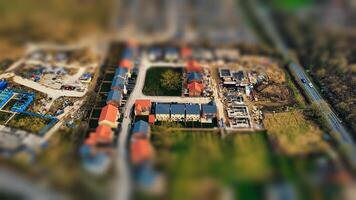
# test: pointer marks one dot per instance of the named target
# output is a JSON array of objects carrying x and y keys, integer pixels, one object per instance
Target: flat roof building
[{"x": 224, "y": 73}]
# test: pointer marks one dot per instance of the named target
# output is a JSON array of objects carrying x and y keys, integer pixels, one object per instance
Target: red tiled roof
[
  {"x": 151, "y": 119},
  {"x": 193, "y": 66},
  {"x": 109, "y": 113},
  {"x": 126, "y": 63},
  {"x": 186, "y": 52},
  {"x": 142, "y": 105},
  {"x": 195, "y": 86},
  {"x": 140, "y": 151},
  {"x": 104, "y": 132},
  {"x": 91, "y": 140}
]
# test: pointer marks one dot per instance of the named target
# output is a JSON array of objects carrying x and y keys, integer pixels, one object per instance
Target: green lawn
[
  {"x": 28, "y": 123},
  {"x": 199, "y": 163},
  {"x": 153, "y": 85},
  {"x": 4, "y": 116},
  {"x": 291, "y": 4}
]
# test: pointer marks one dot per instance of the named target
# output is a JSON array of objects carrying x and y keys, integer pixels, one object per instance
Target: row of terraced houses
[{"x": 94, "y": 150}]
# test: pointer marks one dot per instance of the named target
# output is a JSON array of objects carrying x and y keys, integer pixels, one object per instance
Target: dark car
[{"x": 303, "y": 80}]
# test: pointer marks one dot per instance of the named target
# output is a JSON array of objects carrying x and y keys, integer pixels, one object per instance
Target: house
[
  {"x": 195, "y": 89},
  {"x": 140, "y": 129},
  {"x": 119, "y": 84},
  {"x": 142, "y": 107},
  {"x": 177, "y": 112},
  {"x": 141, "y": 150},
  {"x": 92, "y": 139},
  {"x": 95, "y": 162},
  {"x": 192, "y": 112},
  {"x": 109, "y": 115},
  {"x": 225, "y": 73},
  {"x": 186, "y": 52},
  {"x": 151, "y": 119},
  {"x": 3, "y": 84},
  {"x": 104, "y": 134},
  {"x": 114, "y": 98},
  {"x": 121, "y": 72},
  {"x": 128, "y": 54},
  {"x": 208, "y": 112},
  {"x": 162, "y": 112},
  {"x": 194, "y": 76},
  {"x": 193, "y": 66}
]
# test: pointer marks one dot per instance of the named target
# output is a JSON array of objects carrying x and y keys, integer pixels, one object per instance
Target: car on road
[
  {"x": 310, "y": 85},
  {"x": 303, "y": 80}
]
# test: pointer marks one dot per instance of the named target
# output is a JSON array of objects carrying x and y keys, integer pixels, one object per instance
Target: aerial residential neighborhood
[{"x": 170, "y": 99}]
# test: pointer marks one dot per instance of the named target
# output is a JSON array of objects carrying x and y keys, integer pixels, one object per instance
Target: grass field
[
  {"x": 291, "y": 4},
  {"x": 293, "y": 133},
  {"x": 4, "y": 116},
  {"x": 153, "y": 86},
  {"x": 202, "y": 163},
  {"x": 28, "y": 123}
]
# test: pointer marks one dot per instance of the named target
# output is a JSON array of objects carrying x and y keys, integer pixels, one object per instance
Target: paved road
[
  {"x": 334, "y": 123},
  {"x": 46, "y": 90}
]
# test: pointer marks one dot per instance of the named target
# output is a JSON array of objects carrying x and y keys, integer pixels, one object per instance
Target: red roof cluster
[
  {"x": 109, "y": 114},
  {"x": 103, "y": 134},
  {"x": 126, "y": 63},
  {"x": 142, "y": 105},
  {"x": 194, "y": 66},
  {"x": 195, "y": 89},
  {"x": 186, "y": 52},
  {"x": 141, "y": 150}
]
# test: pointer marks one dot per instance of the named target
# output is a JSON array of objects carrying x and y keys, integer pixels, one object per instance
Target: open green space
[
  {"x": 293, "y": 133},
  {"x": 183, "y": 124},
  {"x": 200, "y": 162},
  {"x": 291, "y": 4},
  {"x": 154, "y": 83},
  {"x": 28, "y": 123},
  {"x": 202, "y": 165}
]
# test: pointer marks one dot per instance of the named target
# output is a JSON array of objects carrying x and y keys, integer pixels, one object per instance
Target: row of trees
[{"x": 330, "y": 57}]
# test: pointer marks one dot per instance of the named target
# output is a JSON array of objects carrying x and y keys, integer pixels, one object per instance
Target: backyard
[{"x": 155, "y": 82}]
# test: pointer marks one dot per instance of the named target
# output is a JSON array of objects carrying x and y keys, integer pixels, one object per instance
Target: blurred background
[{"x": 320, "y": 33}]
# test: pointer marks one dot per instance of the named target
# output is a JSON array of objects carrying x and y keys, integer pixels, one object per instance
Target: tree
[{"x": 170, "y": 80}]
